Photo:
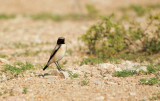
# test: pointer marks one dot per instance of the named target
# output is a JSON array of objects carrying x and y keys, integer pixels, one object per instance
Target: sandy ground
[{"x": 57, "y": 88}]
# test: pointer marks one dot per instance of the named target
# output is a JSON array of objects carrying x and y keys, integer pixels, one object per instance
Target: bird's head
[{"x": 61, "y": 40}]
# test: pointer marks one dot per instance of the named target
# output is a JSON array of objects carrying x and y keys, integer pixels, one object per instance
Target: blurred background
[
  {"x": 41, "y": 21},
  {"x": 64, "y": 7}
]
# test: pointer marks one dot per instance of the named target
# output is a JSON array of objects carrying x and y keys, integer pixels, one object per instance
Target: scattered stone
[
  {"x": 132, "y": 69},
  {"x": 144, "y": 68},
  {"x": 4, "y": 61},
  {"x": 61, "y": 74},
  {"x": 98, "y": 82},
  {"x": 55, "y": 73},
  {"x": 31, "y": 75},
  {"x": 132, "y": 93},
  {"x": 85, "y": 69},
  {"x": 127, "y": 65},
  {"x": 110, "y": 83},
  {"x": 118, "y": 69},
  {"x": 107, "y": 67},
  {"x": 64, "y": 75},
  {"x": 3, "y": 78},
  {"x": 108, "y": 76}
]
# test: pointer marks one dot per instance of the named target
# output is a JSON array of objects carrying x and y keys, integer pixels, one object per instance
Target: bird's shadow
[
  {"x": 43, "y": 75},
  {"x": 55, "y": 73}
]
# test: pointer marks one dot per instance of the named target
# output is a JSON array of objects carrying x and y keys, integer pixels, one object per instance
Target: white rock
[
  {"x": 118, "y": 69},
  {"x": 55, "y": 72},
  {"x": 4, "y": 61},
  {"x": 64, "y": 74},
  {"x": 108, "y": 76},
  {"x": 61, "y": 74},
  {"x": 131, "y": 69},
  {"x": 98, "y": 82},
  {"x": 110, "y": 83},
  {"x": 32, "y": 75},
  {"x": 3, "y": 77},
  {"x": 144, "y": 68},
  {"x": 106, "y": 66},
  {"x": 132, "y": 93},
  {"x": 127, "y": 65},
  {"x": 84, "y": 68}
]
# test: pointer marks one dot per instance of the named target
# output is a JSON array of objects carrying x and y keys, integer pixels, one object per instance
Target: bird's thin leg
[
  {"x": 60, "y": 67},
  {"x": 57, "y": 66}
]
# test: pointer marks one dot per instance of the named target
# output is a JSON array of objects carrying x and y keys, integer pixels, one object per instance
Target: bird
[{"x": 57, "y": 53}]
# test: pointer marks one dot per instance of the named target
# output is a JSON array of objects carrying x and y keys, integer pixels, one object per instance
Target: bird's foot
[{"x": 60, "y": 69}]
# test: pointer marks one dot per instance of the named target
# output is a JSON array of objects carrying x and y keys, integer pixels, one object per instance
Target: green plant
[
  {"x": 25, "y": 90},
  {"x": 124, "y": 73},
  {"x": 115, "y": 59},
  {"x": 154, "y": 6},
  {"x": 155, "y": 97},
  {"x": 62, "y": 66},
  {"x": 101, "y": 41},
  {"x": 140, "y": 11},
  {"x": 27, "y": 53},
  {"x": 11, "y": 92},
  {"x": 1, "y": 93},
  {"x": 158, "y": 64},
  {"x": 109, "y": 39},
  {"x": 65, "y": 62},
  {"x": 152, "y": 45},
  {"x": 85, "y": 75},
  {"x": 92, "y": 11},
  {"x": 151, "y": 68},
  {"x": 16, "y": 69},
  {"x": 20, "y": 45},
  {"x": 46, "y": 16},
  {"x": 5, "y": 16},
  {"x": 72, "y": 75},
  {"x": 3, "y": 55},
  {"x": 91, "y": 61},
  {"x": 84, "y": 83},
  {"x": 150, "y": 81}
]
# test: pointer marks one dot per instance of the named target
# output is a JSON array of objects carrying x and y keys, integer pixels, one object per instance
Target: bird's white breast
[{"x": 60, "y": 53}]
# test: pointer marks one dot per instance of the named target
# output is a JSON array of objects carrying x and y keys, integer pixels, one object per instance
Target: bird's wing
[{"x": 54, "y": 52}]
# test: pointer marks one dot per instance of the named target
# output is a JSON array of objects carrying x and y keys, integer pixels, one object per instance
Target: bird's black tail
[{"x": 45, "y": 67}]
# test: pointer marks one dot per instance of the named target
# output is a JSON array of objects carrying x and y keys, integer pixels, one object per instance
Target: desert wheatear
[{"x": 57, "y": 53}]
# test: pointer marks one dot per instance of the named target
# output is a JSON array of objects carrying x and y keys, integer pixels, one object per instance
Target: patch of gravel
[
  {"x": 124, "y": 65},
  {"x": 55, "y": 87}
]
